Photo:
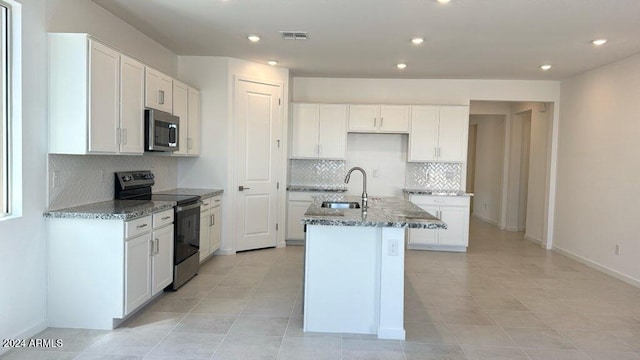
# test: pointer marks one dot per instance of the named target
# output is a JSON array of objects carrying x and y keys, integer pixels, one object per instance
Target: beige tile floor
[{"x": 505, "y": 299}]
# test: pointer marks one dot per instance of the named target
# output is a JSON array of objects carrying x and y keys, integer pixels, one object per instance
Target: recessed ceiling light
[
  {"x": 444, "y": 1},
  {"x": 253, "y": 38},
  {"x": 401, "y": 66},
  {"x": 272, "y": 62},
  {"x": 417, "y": 40},
  {"x": 599, "y": 42},
  {"x": 545, "y": 67}
]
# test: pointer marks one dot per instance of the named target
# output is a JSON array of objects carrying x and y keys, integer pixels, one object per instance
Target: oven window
[{"x": 187, "y": 234}]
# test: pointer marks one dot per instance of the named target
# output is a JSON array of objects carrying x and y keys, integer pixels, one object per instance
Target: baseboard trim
[
  {"x": 225, "y": 252},
  {"x": 533, "y": 239},
  {"x": 27, "y": 334},
  {"x": 485, "y": 219},
  {"x": 592, "y": 264},
  {"x": 512, "y": 228}
]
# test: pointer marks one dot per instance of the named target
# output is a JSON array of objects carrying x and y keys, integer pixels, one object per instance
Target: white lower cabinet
[
  {"x": 453, "y": 211},
  {"x": 162, "y": 259},
  {"x": 138, "y": 272},
  {"x": 210, "y": 229},
  {"x": 102, "y": 270},
  {"x": 297, "y": 205}
]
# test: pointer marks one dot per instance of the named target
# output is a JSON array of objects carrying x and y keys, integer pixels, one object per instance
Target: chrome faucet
[{"x": 365, "y": 197}]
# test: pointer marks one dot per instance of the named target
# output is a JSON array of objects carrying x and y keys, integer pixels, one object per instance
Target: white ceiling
[{"x": 490, "y": 39}]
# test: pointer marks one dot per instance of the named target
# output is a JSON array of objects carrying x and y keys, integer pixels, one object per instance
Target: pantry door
[{"x": 258, "y": 116}]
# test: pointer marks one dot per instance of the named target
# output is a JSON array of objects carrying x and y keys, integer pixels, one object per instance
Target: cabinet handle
[
  {"x": 166, "y": 218},
  {"x": 161, "y": 97},
  {"x": 212, "y": 220},
  {"x": 435, "y": 152},
  {"x": 320, "y": 149},
  {"x": 153, "y": 247},
  {"x": 375, "y": 122},
  {"x": 118, "y": 136},
  {"x": 381, "y": 122},
  {"x": 157, "y": 246},
  {"x": 141, "y": 226}
]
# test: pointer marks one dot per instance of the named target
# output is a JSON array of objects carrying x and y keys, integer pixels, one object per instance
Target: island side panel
[
  {"x": 391, "y": 324},
  {"x": 342, "y": 279}
]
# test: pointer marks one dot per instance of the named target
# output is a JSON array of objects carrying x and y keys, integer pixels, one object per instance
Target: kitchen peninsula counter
[
  {"x": 393, "y": 212},
  {"x": 354, "y": 265}
]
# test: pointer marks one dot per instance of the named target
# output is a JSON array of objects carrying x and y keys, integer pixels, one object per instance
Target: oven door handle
[{"x": 188, "y": 207}]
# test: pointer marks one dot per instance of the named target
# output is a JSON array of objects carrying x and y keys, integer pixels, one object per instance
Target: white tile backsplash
[{"x": 83, "y": 179}]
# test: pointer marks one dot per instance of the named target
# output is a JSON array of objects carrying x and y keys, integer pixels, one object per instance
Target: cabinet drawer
[
  {"x": 216, "y": 201},
  {"x": 206, "y": 204},
  {"x": 434, "y": 200},
  {"x": 162, "y": 218},
  {"x": 136, "y": 227}
]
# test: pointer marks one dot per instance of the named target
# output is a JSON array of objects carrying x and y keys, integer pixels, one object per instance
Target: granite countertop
[
  {"x": 382, "y": 212},
  {"x": 112, "y": 210},
  {"x": 203, "y": 193},
  {"x": 302, "y": 188},
  {"x": 436, "y": 192}
]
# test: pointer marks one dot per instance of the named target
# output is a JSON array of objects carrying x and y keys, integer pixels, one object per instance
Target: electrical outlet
[
  {"x": 617, "y": 250},
  {"x": 450, "y": 175},
  {"x": 394, "y": 247}
]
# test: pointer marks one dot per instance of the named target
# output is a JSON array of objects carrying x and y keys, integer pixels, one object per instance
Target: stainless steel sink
[{"x": 340, "y": 205}]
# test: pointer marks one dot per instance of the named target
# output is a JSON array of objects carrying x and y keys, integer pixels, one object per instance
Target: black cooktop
[{"x": 136, "y": 185}]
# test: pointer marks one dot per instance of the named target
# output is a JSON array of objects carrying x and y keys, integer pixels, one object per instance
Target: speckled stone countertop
[
  {"x": 316, "y": 189},
  {"x": 203, "y": 193},
  {"x": 436, "y": 192},
  {"x": 382, "y": 212},
  {"x": 112, "y": 210}
]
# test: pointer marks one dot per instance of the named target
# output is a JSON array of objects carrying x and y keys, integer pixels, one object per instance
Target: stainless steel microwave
[{"x": 161, "y": 131}]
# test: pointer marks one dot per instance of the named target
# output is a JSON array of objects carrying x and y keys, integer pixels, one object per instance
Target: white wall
[
  {"x": 383, "y": 157},
  {"x": 84, "y": 16},
  {"x": 215, "y": 77},
  {"x": 489, "y": 166},
  {"x": 598, "y": 169},
  {"x": 23, "y": 240},
  {"x": 538, "y": 167}
]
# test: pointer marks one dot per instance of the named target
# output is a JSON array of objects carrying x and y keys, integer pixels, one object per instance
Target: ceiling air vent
[{"x": 295, "y": 35}]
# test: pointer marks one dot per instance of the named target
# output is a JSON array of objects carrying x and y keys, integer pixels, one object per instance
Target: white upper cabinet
[
  {"x": 131, "y": 106},
  {"x": 319, "y": 131},
  {"x": 379, "y": 118},
  {"x": 158, "y": 90},
  {"x": 181, "y": 110},
  {"x": 104, "y": 69},
  {"x": 94, "y": 98},
  {"x": 194, "y": 123},
  {"x": 186, "y": 106},
  {"x": 439, "y": 133}
]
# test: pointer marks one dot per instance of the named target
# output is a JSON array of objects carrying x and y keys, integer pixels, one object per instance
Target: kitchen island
[{"x": 354, "y": 265}]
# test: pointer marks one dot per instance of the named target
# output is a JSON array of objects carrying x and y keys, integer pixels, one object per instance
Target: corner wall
[
  {"x": 23, "y": 260},
  {"x": 598, "y": 170}
]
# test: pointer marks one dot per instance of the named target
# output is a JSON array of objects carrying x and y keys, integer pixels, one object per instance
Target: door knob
[{"x": 242, "y": 188}]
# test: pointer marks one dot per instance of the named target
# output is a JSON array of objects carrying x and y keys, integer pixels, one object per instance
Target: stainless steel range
[{"x": 136, "y": 185}]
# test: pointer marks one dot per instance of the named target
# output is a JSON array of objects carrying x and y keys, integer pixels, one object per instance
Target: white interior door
[{"x": 258, "y": 131}]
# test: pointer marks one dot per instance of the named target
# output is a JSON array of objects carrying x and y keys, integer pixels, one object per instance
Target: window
[
  {"x": 4, "y": 109},
  {"x": 10, "y": 109}
]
